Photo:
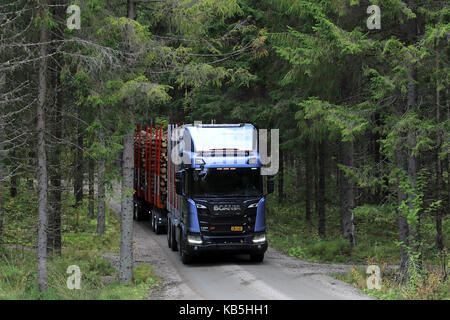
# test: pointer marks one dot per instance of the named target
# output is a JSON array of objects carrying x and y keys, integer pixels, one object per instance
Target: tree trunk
[
  {"x": 347, "y": 194},
  {"x": 13, "y": 185},
  {"x": 55, "y": 192},
  {"x": 101, "y": 223},
  {"x": 447, "y": 104},
  {"x": 376, "y": 136},
  {"x": 316, "y": 177},
  {"x": 78, "y": 176},
  {"x": 298, "y": 178},
  {"x": 438, "y": 215},
  {"x": 403, "y": 230},
  {"x": 412, "y": 164},
  {"x": 411, "y": 161},
  {"x": 126, "y": 228},
  {"x": 91, "y": 188},
  {"x": 308, "y": 179},
  {"x": 42, "y": 159},
  {"x": 321, "y": 189},
  {"x": 2, "y": 173},
  {"x": 2, "y": 149},
  {"x": 281, "y": 178}
]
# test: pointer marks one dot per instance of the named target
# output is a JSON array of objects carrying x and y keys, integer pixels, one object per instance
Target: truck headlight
[
  {"x": 259, "y": 238},
  {"x": 200, "y": 206},
  {"x": 194, "y": 239},
  {"x": 253, "y": 205}
]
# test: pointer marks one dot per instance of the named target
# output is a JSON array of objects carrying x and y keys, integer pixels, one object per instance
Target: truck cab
[{"x": 219, "y": 196}]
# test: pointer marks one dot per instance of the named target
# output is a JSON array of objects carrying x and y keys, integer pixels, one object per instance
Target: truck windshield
[{"x": 214, "y": 183}]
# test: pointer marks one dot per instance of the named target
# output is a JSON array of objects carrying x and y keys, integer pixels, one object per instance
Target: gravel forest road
[{"x": 230, "y": 277}]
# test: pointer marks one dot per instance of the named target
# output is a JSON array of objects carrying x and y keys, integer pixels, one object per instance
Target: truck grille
[{"x": 220, "y": 224}]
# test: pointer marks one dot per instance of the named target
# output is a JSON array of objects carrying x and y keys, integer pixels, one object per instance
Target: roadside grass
[
  {"x": 431, "y": 285},
  {"x": 81, "y": 247},
  {"x": 289, "y": 232},
  {"x": 376, "y": 244}
]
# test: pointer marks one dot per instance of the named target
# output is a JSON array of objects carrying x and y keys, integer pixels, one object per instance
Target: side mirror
[
  {"x": 270, "y": 184},
  {"x": 179, "y": 183}
]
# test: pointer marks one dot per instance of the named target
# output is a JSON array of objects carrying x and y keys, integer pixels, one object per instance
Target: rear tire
[
  {"x": 173, "y": 240},
  {"x": 158, "y": 228},
  {"x": 152, "y": 218},
  {"x": 138, "y": 213},
  {"x": 169, "y": 234},
  {"x": 257, "y": 257},
  {"x": 142, "y": 214}
]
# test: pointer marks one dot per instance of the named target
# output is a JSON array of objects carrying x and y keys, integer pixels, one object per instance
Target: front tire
[{"x": 185, "y": 257}]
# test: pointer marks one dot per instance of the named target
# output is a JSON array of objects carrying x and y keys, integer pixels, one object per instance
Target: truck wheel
[
  {"x": 169, "y": 234},
  {"x": 152, "y": 218},
  {"x": 140, "y": 213},
  {"x": 185, "y": 257},
  {"x": 134, "y": 211},
  {"x": 257, "y": 257},
  {"x": 158, "y": 228},
  {"x": 145, "y": 214},
  {"x": 173, "y": 239}
]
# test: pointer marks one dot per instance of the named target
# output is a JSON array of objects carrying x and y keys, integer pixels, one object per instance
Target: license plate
[{"x": 237, "y": 228}]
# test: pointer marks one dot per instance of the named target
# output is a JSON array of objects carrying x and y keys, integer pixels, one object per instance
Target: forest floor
[
  {"x": 80, "y": 246},
  {"x": 376, "y": 235}
]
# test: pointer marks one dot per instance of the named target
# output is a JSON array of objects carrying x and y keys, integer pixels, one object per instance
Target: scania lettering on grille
[{"x": 228, "y": 207}]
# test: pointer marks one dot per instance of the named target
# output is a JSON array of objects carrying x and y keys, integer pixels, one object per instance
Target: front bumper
[{"x": 229, "y": 244}]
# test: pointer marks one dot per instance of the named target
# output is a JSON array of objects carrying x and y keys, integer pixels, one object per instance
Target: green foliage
[
  {"x": 334, "y": 117},
  {"x": 20, "y": 217},
  {"x": 337, "y": 250},
  {"x": 81, "y": 247},
  {"x": 290, "y": 233},
  {"x": 193, "y": 17},
  {"x": 18, "y": 279},
  {"x": 144, "y": 273},
  {"x": 376, "y": 232}
]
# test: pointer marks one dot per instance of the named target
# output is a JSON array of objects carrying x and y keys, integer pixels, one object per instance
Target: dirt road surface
[{"x": 215, "y": 277}]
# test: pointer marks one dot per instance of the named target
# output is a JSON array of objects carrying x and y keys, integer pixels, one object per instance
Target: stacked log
[{"x": 158, "y": 145}]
